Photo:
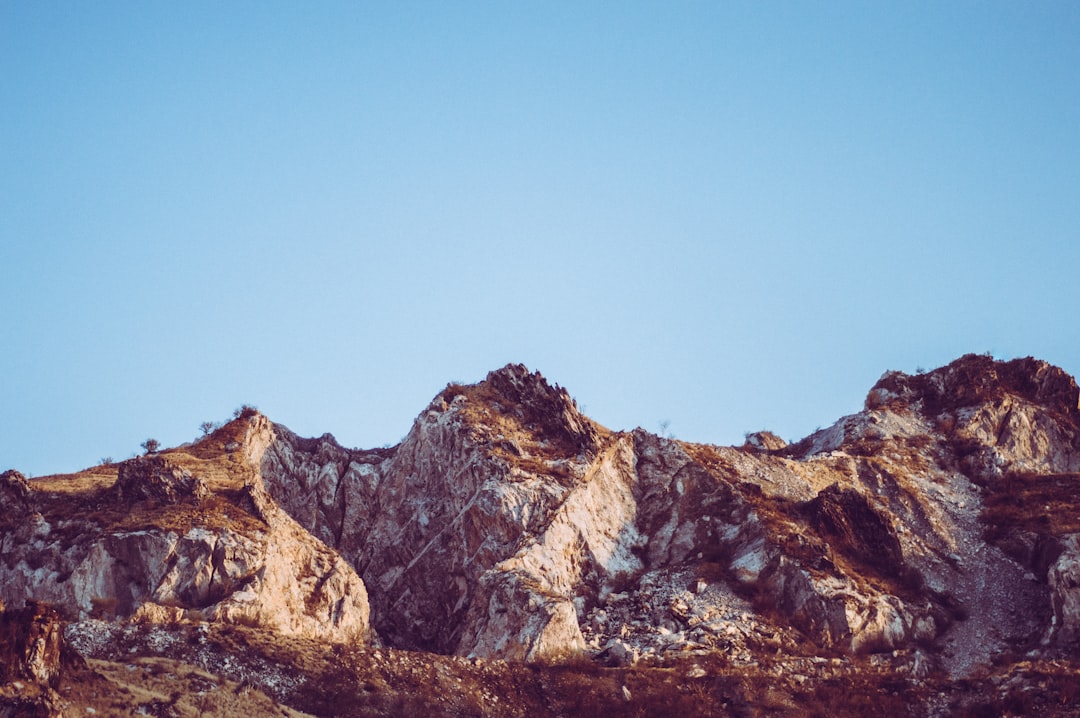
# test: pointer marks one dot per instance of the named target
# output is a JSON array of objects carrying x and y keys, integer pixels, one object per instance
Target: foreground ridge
[{"x": 926, "y": 549}]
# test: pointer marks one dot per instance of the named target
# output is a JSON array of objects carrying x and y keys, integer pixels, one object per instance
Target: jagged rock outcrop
[
  {"x": 30, "y": 641},
  {"x": 765, "y": 441},
  {"x": 14, "y": 489},
  {"x": 1000, "y": 417},
  {"x": 328, "y": 489},
  {"x": 508, "y": 524},
  {"x": 32, "y": 657},
  {"x": 930, "y": 536},
  {"x": 159, "y": 545},
  {"x": 155, "y": 478},
  {"x": 1063, "y": 578},
  {"x": 481, "y": 468}
]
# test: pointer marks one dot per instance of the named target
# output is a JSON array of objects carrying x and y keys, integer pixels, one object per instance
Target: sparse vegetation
[
  {"x": 272, "y": 675},
  {"x": 160, "y": 686},
  {"x": 150, "y": 446},
  {"x": 837, "y": 518},
  {"x": 245, "y": 411},
  {"x": 535, "y": 429}
]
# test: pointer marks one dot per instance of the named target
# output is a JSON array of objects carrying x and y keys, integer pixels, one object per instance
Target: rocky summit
[{"x": 512, "y": 557}]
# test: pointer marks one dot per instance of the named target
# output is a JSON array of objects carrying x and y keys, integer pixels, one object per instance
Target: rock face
[
  {"x": 159, "y": 545},
  {"x": 483, "y": 469},
  {"x": 1064, "y": 581},
  {"x": 507, "y": 524},
  {"x": 937, "y": 527},
  {"x": 30, "y": 640},
  {"x": 14, "y": 490},
  {"x": 155, "y": 478}
]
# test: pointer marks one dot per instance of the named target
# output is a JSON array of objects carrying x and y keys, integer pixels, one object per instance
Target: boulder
[
  {"x": 1063, "y": 579},
  {"x": 30, "y": 643},
  {"x": 157, "y": 478}
]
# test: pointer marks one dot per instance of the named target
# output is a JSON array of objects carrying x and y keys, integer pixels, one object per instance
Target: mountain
[{"x": 513, "y": 557}]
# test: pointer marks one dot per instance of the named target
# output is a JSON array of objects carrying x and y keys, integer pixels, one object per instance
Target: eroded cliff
[
  {"x": 175, "y": 536},
  {"x": 931, "y": 537},
  {"x": 507, "y": 524}
]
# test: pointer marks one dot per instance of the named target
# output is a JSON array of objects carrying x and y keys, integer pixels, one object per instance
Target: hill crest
[{"x": 508, "y": 526}]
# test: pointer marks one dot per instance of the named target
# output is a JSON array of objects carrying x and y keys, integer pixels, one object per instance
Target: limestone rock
[
  {"x": 847, "y": 519},
  {"x": 156, "y": 477},
  {"x": 191, "y": 554},
  {"x": 14, "y": 489},
  {"x": 619, "y": 653},
  {"x": 30, "y": 642},
  {"x": 482, "y": 468},
  {"x": 765, "y": 441},
  {"x": 1064, "y": 581},
  {"x": 506, "y": 524}
]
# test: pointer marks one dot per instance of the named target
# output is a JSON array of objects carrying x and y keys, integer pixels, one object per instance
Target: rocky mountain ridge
[
  {"x": 160, "y": 543},
  {"x": 933, "y": 535}
]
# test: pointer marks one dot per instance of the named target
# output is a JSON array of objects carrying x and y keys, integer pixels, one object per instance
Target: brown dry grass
[
  {"x": 352, "y": 681},
  {"x": 221, "y": 473},
  {"x": 84, "y": 496},
  {"x": 517, "y": 436},
  {"x": 91, "y": 502},
  {"x": 161, "y": 686},
  {"x": 710, "y": 458},
  {"x": 361, "y": 681},
  {"x": 209, "y": 458},
  {"x": 83, "y": 482},
  {"x": 216, "y": 458}
]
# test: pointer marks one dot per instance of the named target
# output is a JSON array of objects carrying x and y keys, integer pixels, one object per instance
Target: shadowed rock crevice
[{"x": 853, "y": 527}]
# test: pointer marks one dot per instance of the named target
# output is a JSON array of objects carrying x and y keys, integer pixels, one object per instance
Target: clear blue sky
[{"x": 728, "y": 216}]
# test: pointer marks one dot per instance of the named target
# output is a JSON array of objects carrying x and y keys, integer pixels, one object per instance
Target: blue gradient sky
[{"x": 727, "y": 216}]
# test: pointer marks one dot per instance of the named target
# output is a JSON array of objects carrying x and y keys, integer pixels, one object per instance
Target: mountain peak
[
  {"x": 524, "y": 402},
  {"x": 518, "y": 385},
  {"x": 930, "y": 538},
  {"x": 978, "y": 378}
]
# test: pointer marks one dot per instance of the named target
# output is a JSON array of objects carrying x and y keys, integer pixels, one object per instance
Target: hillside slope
[
  {"x": 929, "y": 542},
  {"x": 508, "y": 525}
]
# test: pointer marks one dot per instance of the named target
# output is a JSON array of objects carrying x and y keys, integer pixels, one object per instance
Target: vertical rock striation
[{"x": 508, "y": 524}]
